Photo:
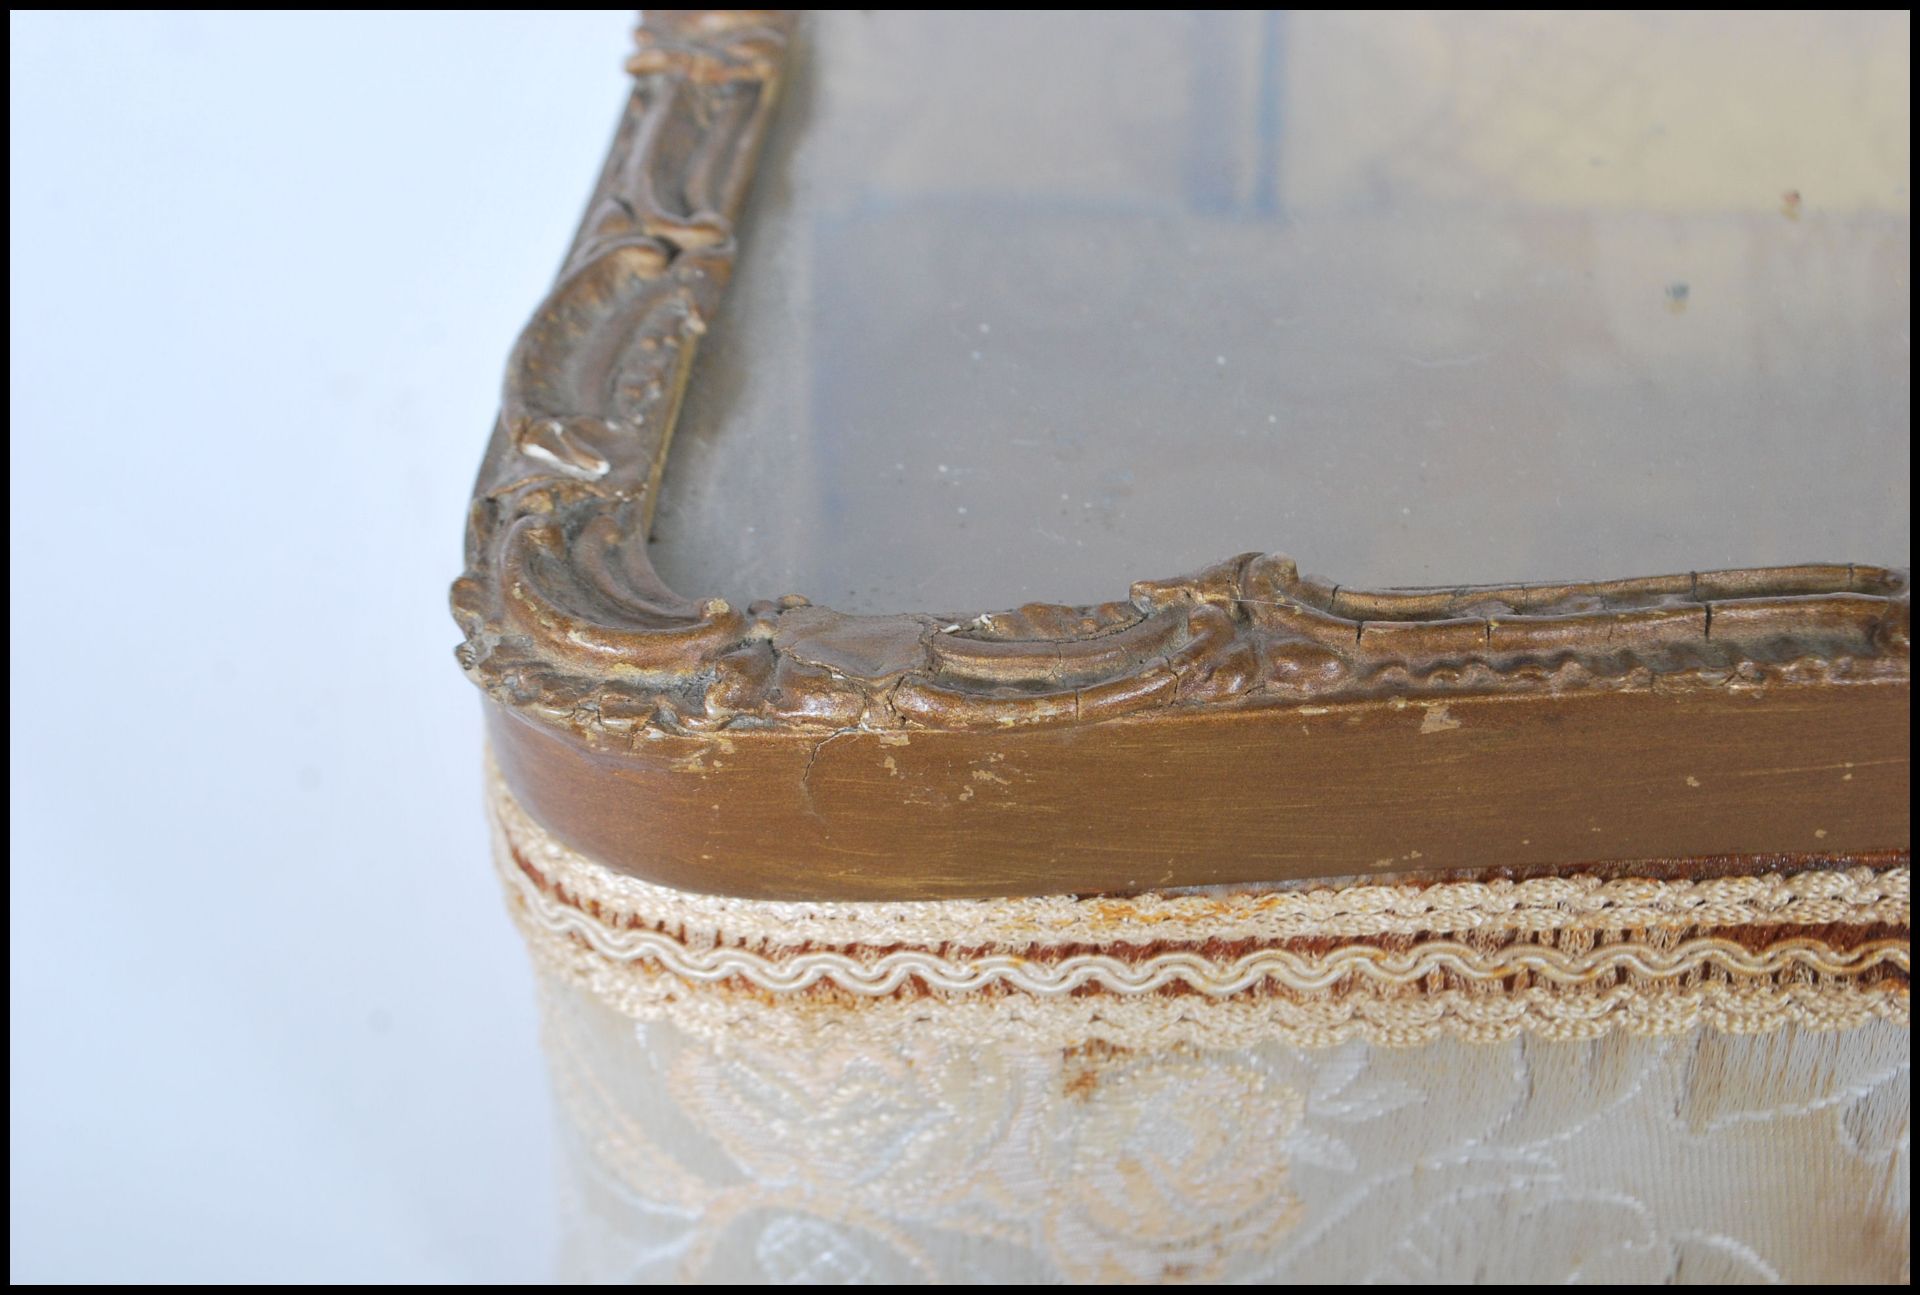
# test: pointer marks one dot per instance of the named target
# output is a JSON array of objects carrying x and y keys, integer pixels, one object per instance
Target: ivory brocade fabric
[{"x": 1569, "y": 1080}]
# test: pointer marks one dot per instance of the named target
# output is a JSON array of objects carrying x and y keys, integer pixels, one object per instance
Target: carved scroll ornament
[
  {"x": 567, "y": 621},
  {"x": 605, "y": 678}
]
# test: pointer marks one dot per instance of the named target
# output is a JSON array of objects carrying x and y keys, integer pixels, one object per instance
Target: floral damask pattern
[
  {"x": 1699, "y": 1158},
  {"x": 1549, "y": 1079}
]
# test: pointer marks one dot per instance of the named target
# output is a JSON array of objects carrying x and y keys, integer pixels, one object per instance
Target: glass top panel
[{"x": 1034, "y": 305}]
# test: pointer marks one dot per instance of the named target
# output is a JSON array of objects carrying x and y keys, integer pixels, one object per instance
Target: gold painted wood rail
[{"x": 1245, "y": 724}]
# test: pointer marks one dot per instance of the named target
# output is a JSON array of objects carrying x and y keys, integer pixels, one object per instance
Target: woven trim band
[{"x": 1394, "y": 963}]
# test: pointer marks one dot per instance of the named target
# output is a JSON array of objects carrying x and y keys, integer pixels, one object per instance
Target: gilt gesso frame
[{"x": 1245, "y": 724}]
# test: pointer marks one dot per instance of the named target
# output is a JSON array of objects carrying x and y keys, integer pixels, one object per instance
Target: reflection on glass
[{"x": 1034, "y": 305}]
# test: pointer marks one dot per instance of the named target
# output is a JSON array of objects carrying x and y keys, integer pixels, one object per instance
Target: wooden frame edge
[{"x": 578, "y": 641}]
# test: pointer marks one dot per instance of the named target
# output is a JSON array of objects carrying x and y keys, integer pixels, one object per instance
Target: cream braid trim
[{"x": 1568, "y": 957}]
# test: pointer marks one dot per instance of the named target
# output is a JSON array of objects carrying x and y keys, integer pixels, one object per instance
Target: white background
[{"x": 267, "y": 1017}]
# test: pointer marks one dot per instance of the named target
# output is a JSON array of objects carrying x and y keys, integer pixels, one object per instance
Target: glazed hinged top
[
  {"x": 1414, "y": 298},
  {"x": 761, "y": 743}
]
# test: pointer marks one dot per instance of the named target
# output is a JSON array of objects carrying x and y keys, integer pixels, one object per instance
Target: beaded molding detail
[{"x": 1562, "y": 957}]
